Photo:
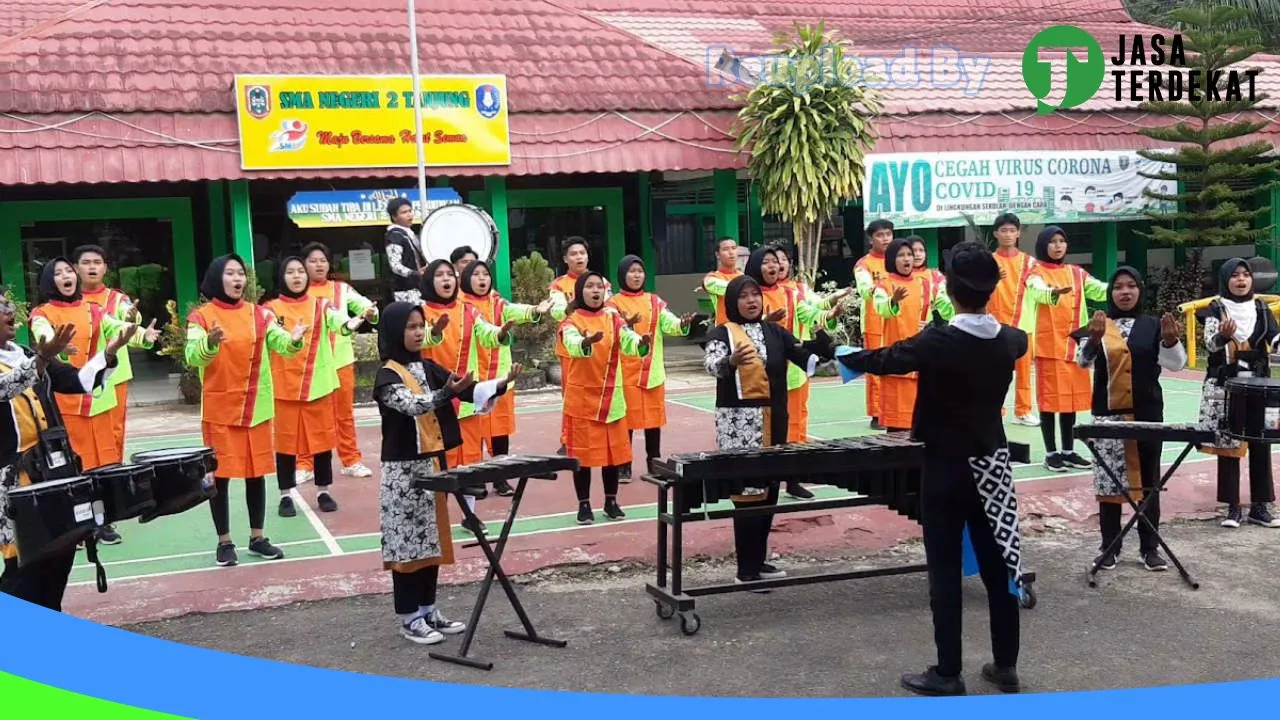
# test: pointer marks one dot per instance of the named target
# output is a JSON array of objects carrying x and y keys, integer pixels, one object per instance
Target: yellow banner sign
[{"x": 317, "y": 122}]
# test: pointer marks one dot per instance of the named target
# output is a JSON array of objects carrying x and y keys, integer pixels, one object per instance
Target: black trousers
[
  {"x": 410, "y": 591},
  {"x": 287, "y": 471},
  {"x": 751, "y": 535},
  {"x": 41, "y": 583},
  {"x": 1109, "y": 513},
  {"x": 1262, "y": 487},
  {"x": 950, "y": 503}
]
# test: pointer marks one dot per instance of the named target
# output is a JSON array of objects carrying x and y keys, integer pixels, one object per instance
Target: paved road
[{"x": 849, "y": 639}]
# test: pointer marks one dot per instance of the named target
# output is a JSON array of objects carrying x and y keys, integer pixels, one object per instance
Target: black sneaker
[
  {"x": 1055, "y": 462},
  {"x": 263, "y": 548},
  {"x": 1260, "y": 514},
  {"x": 503, "y": 488},
  {"x": 474, "y": 526},
  {"x": 561, "y": 451},
  {"x": 1233, "y": 518},
  {"x": 771, "y": 572},
  {"x": 227, "y": 554},
  {"x": 1073, "y": 460},
  {"x": 931, "y": 683},
  {"x": 585, "y": 516},
  {"x": 875, "y": 424},
  {"x": 624, "y": 474},
  {"x": 612, "y": 511},
  {"x": 481, "y": 492},
  {"x": 326, "y": 503},
  {"x": 441, "y": 624},
  {"x": 286, "y": 507},
  {"x": 1154, "y": 562},
  {"x": 798, "y": 491},
  {"x": 1106, "y": 561},
  {"x": 107, "y": 535},
  {"x": 1005, "y": 679}
]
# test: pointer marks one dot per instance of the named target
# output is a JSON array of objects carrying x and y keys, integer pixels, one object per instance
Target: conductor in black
[{"x": 965, "y": 368}]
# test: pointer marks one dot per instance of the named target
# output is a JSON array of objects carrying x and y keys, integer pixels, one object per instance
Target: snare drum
[
  {"x": 183, "y": 479},
  {"x": 125, "y": 490},
  {"x": 1253, "y": 409},
  {"x": 54, "y": 516}
]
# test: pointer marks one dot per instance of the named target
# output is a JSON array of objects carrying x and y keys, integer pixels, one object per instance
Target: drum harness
[{"x": 52, "y": 458}]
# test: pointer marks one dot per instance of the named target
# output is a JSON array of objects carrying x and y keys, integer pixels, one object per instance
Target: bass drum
[{"x": 450, "y": 227}]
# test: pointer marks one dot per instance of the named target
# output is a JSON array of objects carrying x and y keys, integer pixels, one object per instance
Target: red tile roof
[
  {"x": 161, "y": 73},
  {"x": 168, "y": 147},
  {"x": 181, "y": 55}
]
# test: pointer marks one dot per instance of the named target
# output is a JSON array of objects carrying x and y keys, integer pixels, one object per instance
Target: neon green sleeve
[
  {"x": 884, "y": 304},
  {"x": 631, "y": 341},
  {"x": 113, "y": 326},
  {"x": 197, "y": 352},
  {"x": 1040, "y": 292},
  {"x": 572, "y": 340},
  {"x": 280, "y": 341},
  {"x": 669, "y": 324},
  {"x": 489, "y": 335}
]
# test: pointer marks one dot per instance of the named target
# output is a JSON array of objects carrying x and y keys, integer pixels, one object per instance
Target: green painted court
[{"x": 185, "y": 542}]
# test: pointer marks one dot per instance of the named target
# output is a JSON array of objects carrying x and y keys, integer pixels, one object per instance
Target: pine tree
[{"x": 1209, "y": 211}]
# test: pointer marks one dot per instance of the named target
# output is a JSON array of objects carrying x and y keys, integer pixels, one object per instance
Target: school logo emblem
[
  {"x": 257, "y": 99},
  {"x": 488, "y": 101},
  {"x": 291, "y": 136},
  {"x": 1083, "y": 74}
]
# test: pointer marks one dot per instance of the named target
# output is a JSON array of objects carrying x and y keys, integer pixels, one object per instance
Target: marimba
[
  {"x": 876, "y": 470},
  {"x": 1144, "y": 432},
  {"x": 459, "y": 483}
]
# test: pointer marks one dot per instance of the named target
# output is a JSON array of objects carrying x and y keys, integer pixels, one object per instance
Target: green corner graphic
[
  {"x": 1083, "y": 77},
  {"x": 22, "y": 699}
]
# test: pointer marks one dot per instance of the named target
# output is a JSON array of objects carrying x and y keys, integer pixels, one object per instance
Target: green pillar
[
  {"x": 185, "y": 283},
  {"x": 1105, "y": 243},
  {"x": 933, "y": 258},
  {"x": 755, "y": 214},
  {"x": 615, "y": 230},
  {"x": 217, "y": 196},
  {"x": 725, "y": 183},
  {"x": 241, "y": 222},
  {"x": 1271, "y": 249},
  {"x": 496, "y": 188},
  {"x": 648, "y": 253},
  {"x": 1135, "y": 248}
]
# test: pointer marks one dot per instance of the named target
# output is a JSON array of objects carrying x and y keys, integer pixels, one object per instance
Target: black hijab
[
  {"x": 391, "y": 326},
  {"x": 623, "y": 268},
  {"x": 212, "y": 286},
  {"x": 577, "y": 292},
  {"x": 49, "y": 288},
  {"x": 1114, "y": 312},
  {"x": 1042, "y": 244},
  {"x": 755, "y": 266},
  {"x": 731, "y": 294},
  {"x": 891, "y": 256},
  {"x": 466, "y": 283},
  {"x": 281, "y": 288},
  {"x": 1224, "y": 279},
  {"x": 428, "y": 289}
]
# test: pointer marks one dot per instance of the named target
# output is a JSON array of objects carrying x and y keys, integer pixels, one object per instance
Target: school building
[{"x": 121, "y": 124}]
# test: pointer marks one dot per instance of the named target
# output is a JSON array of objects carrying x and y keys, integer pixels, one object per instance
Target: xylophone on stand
[
  {"x": 1153, "y": 432},
  {"x": 881, "y": 469},
  {"x": 64, "y": 511},
  {"x": 466, "y": 480}
]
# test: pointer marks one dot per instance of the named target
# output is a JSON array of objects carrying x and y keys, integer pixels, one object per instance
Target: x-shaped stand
[
  {"x": 1139, "y": 514},
  {"x": 495, "y": 570}
]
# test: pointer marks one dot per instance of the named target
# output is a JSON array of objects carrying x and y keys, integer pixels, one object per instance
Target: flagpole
[{"x": 417, "y": 109}]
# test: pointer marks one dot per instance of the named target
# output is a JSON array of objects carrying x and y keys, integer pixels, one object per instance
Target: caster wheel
[
  {"x": 690, "y": 624},
  {"x": 1028, "y": 598},
  {"x": 665, "y": 612}
]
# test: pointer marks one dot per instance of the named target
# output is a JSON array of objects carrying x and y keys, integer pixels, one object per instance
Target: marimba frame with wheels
[{"x": 459, "y": 482}]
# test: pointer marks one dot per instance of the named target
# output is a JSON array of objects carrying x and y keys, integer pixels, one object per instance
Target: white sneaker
[
  {"x": 358, "y": 470},
  {"x": 420, "y": 632},
  {"x": 1028, "y": 420}
]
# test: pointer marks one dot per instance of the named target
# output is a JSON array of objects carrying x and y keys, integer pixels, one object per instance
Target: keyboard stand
[
  {"x": 1138, "y": 509},
  {"x": 494, "y": 558}
]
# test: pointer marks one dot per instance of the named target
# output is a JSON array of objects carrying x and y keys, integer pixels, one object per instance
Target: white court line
[
  {"x": 179, "y": 556},
  {"x": 321, "y": 530}
]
